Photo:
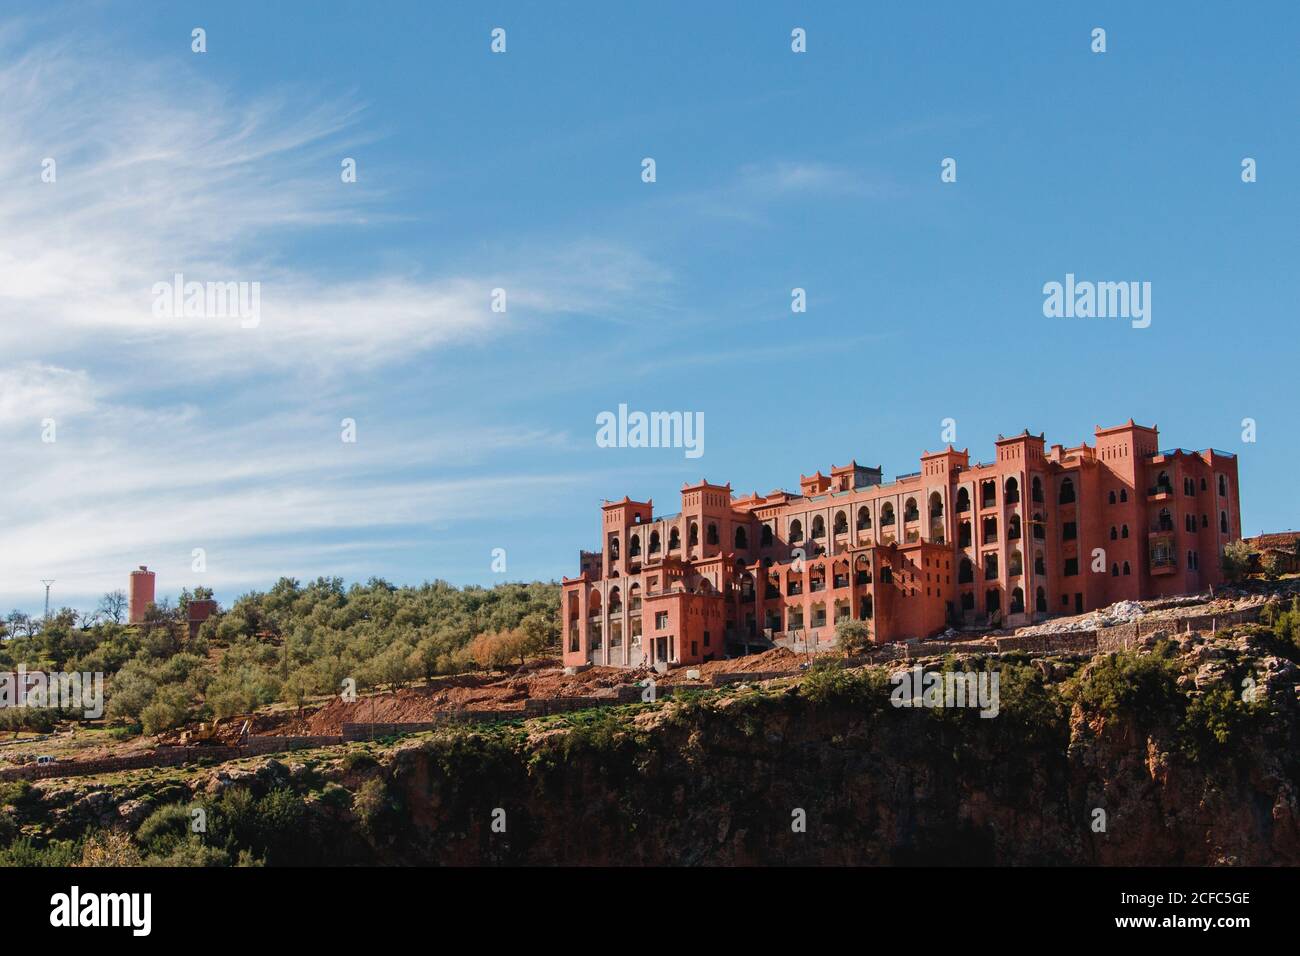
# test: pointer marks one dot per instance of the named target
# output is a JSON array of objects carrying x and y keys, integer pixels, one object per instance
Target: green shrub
[
  {"x": 853, "y": 637},
  {"x": 25, "y": 852},
  {"x": 374, "y": 807},
  {"x": 357, "y": 760},
  {"x": 163, "y": 829},
  {"x": 1216, "y": 721},
  {"x": 340, "y": 798},
  {"x": 1139, "y": 685},
  {"x": 191, "y": 852},
  {"x": 827, "y": 681}
]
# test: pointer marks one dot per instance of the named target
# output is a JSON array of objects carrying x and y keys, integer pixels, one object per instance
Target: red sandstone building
[{"x": 1037, "y": 531}]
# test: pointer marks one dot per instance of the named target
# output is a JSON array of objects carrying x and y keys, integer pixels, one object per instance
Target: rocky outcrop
[
  {"x": 1181, "y": 753},
  {"x": 782, "y": 779}
]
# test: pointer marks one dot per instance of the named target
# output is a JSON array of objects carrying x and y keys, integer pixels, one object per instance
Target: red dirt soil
[{"x": 539, "y": 680}]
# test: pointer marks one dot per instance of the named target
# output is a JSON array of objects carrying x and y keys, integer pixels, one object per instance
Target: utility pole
[{"x": 47, "y": 582}]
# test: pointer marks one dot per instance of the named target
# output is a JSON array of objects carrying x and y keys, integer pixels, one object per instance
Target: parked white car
[{"x": 44, "y": 760}]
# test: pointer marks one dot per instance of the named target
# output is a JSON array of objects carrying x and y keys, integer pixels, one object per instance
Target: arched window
[
  {"x": 796, "y": 531},
  {"x": 693, "y": 535},
  {"x": 1040, "y": 601},
  {"x": 1223, "y": 486},
  {"x": 712, "y": 534},
  {"x": 742, "y": 539},
  {"x": 968, "y": 601},
  {"x": 965, "y": 572},
  {"x": 887, "y": 514},
  {"x": 1067, "y": 493},
  {"x": 613, "y": 547},
  {"x": 1114, "y": 533},
  {"x": 818, "y": 527},
  {"x": 1040, "y": 528},
  {"x": 1112, "y": 497},
  {"x": 1114, "y": 570},
  {"x": 1037, "y": 489},
  {"x": 1223, "y": 522},
  {"x": 1126, "y": 569},
  {"x": 1017, "y": 601},
  {"x": 1013, "y": 528},
  {"x": 963, "y": 534},
  {"x": 990, "y": 530},
  {"x": 654, "y": 542},
  {"x": 1123, "y": 531},
  {"x": 1123, "y": 495},
  {"x": 841, "y": 523},
  {"x": 1016, "y": 564},
  {"x": 634, "y": 546},
  {"x": 1040, "y": 565},
  {"x": 992, "y": 600},
  {"x": 674, "y": 540},
  {"x": 1011, "y": 491},
  {"x": 864, "y": 518},
  {"x": 988, "y": 494},
  {"x": 910, "y": 512},
  {"x": 963, "y": 500},
  {"x": 767, "y": 536},
  {"x": 615, "y": 601}
]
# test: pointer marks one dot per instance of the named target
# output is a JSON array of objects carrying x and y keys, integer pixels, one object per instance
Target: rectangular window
[
  {"x": 661, "y": 620},
  {"x": 706, "y": 638},
  {"x": 1069, "y": 531},
  {"x": 1071, "y": 567}
]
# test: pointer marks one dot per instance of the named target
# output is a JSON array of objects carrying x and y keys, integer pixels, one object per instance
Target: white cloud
[
  {"x": 162, "y": 172},
  {"x": 179, "y": 433},
  {"x": 31, "y": 392}
]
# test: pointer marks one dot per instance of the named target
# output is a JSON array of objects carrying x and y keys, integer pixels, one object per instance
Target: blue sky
[{"x": 476, "y": 430}]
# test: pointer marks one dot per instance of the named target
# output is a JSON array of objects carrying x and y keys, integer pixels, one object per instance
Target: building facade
[{"x": 1037, "y": 531}]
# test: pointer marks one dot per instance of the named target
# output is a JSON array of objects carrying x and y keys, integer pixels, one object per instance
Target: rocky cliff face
[
  {"x": 1146, "y": 758},
  {"x": 1110, "y": 762}
]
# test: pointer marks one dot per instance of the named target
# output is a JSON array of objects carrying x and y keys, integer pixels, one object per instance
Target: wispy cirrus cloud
[
  {"x": 164, "y": 172},
  {"x": 176, "y": 433}
]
